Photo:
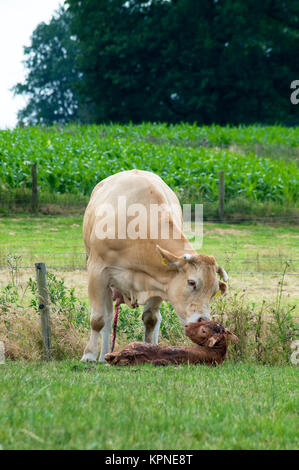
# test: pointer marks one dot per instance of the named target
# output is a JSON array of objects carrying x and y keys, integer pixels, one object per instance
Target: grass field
[
  {"x": 69, "y": 405},
  {"x": 244, "y": 404},
  {"x": 252, "y": 262}
]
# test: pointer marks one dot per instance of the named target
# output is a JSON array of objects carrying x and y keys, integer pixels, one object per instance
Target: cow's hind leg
[
  {"x": 91, "y": 351},
  {"x": 152, "y": 318},
  {"x": 101, "y": 314}
]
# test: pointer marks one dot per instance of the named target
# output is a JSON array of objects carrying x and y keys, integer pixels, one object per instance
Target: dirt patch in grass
[
  {"x": 286, "y": 235},
  {"x": 225, "y": 231},
  {"x": 259, "y": 286}
]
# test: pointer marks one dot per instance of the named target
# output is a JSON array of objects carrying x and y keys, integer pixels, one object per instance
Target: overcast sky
[{"x": 18, "y": 19}]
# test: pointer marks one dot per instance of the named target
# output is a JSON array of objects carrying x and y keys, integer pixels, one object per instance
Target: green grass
[
  {"x": 74, "y": 158},
  {"x": 69, "y": 405},
  {"x": 73, "y": 406},
  {"x": 243, "y": 248},
  {"x": 59, "y": 241}
]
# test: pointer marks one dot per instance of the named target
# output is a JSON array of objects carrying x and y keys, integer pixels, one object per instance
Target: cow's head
[{"x": 193, "y": 283}]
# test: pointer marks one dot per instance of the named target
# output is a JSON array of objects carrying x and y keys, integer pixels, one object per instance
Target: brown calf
[{"x": 211, "y": 341}]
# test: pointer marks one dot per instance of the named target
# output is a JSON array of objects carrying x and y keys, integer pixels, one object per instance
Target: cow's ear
[
  {"x": 222, "y": 287},
  {"x": 222, "y": 273},
  {"x": 169, "y": 259}
]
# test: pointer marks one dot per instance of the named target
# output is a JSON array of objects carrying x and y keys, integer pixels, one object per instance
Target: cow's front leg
[
  {"x": 152, "y": 318},
  {"x": 101, "y": 317}
]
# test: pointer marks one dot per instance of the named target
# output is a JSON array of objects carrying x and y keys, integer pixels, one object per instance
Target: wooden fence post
[
  {"x": 34, "y": 188},
  {"x": 221, "y": 193},
  {"x": 44, "y": 309}
]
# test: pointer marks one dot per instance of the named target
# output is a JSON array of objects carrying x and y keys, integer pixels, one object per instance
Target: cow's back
[{"x": 133, "y": 187}]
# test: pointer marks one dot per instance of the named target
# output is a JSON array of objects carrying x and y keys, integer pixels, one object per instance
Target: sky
[{"x": 18, "y": 19}]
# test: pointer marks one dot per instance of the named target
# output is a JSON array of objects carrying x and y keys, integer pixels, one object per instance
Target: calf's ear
[
  {"x": 212, "y": 341},
  {"x": 233, "y": 337}
]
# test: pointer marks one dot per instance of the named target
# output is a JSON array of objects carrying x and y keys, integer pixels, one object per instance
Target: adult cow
[{"x": 128, "y": 253}]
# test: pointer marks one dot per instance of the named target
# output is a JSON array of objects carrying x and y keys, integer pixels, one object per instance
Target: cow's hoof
[
  {"x": 89, "y": 357},
  {"x": 102, "y": 360},
  {"x": 205, "y": 317}
]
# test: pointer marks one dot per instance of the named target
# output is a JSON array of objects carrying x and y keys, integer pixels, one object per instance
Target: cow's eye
[{"x": 192, "y": 283}]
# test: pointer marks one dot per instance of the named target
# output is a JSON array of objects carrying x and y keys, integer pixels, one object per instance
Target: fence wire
[
  {"x": 83, "y": 268},
  {"x": 81, "y": 202}
]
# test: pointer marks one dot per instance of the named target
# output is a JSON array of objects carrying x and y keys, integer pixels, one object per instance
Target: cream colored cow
[{"x": 129, "y": 250}]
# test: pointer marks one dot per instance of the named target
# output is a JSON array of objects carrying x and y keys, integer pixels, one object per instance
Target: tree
[
  {"x": 187, "y": 60},
  {"x": 205, "y": 61},
  {"x": 52, "y": 74}
]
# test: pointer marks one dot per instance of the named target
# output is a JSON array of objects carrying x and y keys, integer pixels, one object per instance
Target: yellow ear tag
[
  {"x": 164, "y": 262},
  {"x": 218, "y": 293}
]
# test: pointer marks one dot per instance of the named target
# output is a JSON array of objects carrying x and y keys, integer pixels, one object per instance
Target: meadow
[
  {"x": 244, "y": 249},
  {"x": 251, "y": 401},
  {"x": 261, "y": 304},
  {"x": 69, "y": 405}
]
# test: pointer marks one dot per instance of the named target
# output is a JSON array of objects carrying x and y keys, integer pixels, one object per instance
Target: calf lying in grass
[{"x": 211, "y": 341}]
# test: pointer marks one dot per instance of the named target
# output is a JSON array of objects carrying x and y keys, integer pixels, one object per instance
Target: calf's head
[
  {"x": 208, "y": 333},
  {"x": 194, "y": 281}
]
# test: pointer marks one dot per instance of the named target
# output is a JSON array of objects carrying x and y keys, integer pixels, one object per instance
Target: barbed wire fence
[
  {"x": 14, "y": 271},
  {"x": 76, "y": 260},
  {"x": 13, "y": 267},
  {"x": 27, "y": 203}
]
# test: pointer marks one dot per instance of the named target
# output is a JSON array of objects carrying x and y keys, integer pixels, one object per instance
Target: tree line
[{"x": 204, "y": 61}]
